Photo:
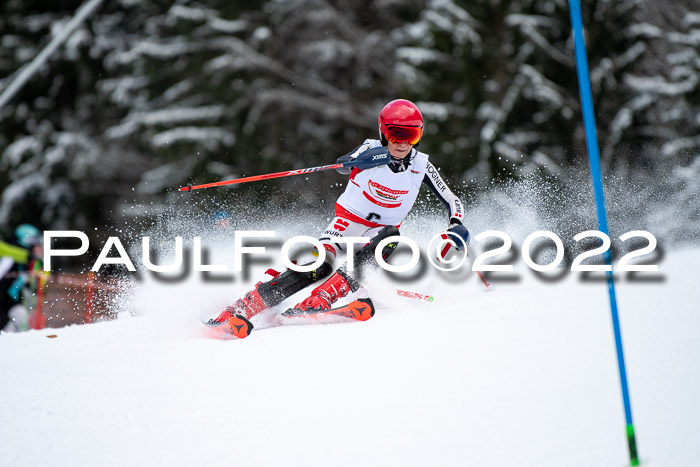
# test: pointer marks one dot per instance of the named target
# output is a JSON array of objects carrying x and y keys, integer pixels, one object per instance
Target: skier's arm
[
  {"x": 6, "y": 264},
  {"x": 438, "y": 186},
  {"x": 18, "y": 254},
  {"x": 347, "y": 157},
  {"x": 366, "y": 156},
  {"x": 440, "y": 189}
]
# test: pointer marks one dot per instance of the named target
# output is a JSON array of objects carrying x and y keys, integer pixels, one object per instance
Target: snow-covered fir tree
[{"x": 153, "y": 94}]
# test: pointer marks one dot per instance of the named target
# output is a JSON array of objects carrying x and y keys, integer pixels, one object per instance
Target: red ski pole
[
  {"x": 370, "y": 158},
  {"x": 256, "y": 178},
  {"x": 446, "y": 250}
]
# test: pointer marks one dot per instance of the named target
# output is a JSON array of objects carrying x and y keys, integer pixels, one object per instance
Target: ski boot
[
  {"x": 322, "y": 297},
  {"x": 340, "y": 283},
  {"x": 271, "y": 293},
  {"x": 361, "y": 309},
  {"x": 237, "y": 326}
]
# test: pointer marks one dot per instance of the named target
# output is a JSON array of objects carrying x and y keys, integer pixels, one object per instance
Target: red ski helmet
[{"x": 400, "y": 121}]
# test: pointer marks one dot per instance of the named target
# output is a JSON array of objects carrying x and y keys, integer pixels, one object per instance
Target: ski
[
  {"x": 238, "y": 327},
  {"x": 361, "y": 309},
  {"x": 235, "y": 327},
  {"x": 414, "y": 295}
]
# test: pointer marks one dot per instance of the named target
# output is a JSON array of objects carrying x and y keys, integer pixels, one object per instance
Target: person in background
[{"x": 18, "y": 260}]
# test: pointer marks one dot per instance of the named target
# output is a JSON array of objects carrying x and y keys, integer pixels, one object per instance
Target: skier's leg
[
  {"x": 18, "y": 319},
  {"x": 271, "y": 293},
  {"x": 341, "y": 283},
  {"x": 365, "y": 256},
  {"x": 338, "y": 228},
  {"x": 281, "y": 286}
]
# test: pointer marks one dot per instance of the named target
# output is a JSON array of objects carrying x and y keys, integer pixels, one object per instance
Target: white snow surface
[{"x": 523, "y": 375}]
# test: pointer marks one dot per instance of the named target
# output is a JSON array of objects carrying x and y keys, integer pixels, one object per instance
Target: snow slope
[{"x": 525, "y": 375}]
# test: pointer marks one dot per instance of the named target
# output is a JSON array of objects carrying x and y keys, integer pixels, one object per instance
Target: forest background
[{"x": 150, "y": 95}]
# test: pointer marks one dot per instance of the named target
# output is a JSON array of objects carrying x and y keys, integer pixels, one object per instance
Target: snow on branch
[
  {"x": 516, "y": 156},
  {"x": 409, "y": 75},
  {"x": 417, "y": 32},
  {"x": 454, "y": 10},
  {"x": 227, "y": 26},
  {"x": 13, "y": 154},
  {"x": 441, "y": 22},
  {"x": 676, "y": 146},
  {"x": 546, "y": 163},
  {"x": 692, "y": 38},
  {"x": 623, "y": 120},
  {"x": 418, "y": 56},
  {"x": 607, "y": 67},
  {"x": 604, "y": 70},
  {"x": 439, "y": 111},
  {"x": 190, "y": 13},
  {"x": 17, "y": 191},
  {"x": 630, "y": 55},
  {"x": 517, "y": 19},
  {"x": 521, "y": 138},
  {"x": 279, "y": 98},
  {"x": 177, "y": 90},
  {"x": 657, "y": 85},
  {"x": 649, "y": 31},
  {"x": 229, "y": 63},
  {"x": 201, "y": 14},
  {"x": 644, "y": 30},
  {"x": 687, "y": 56},
  {"x": 326, "y": 52},
  {"x": 60, "y": 37},
  {"x": 448, "y": 17},
  {"x": 507, "y": 152},
  {"x": 170, "y": 116},
  {"x": 691, "y": 19},
  {"x": 497, "y": 115},
  {"x": 164, "y": 176},
  {"x": 159, "y": 50},
  {"x": 121, "y": 89},
  {"x": 539, "y": 40},
  {"x": 76, "y": 148},
  {"x": 241, "y": 50},
  {"x": 209, "y": 137},
  {"x": 545, "y": 90}
]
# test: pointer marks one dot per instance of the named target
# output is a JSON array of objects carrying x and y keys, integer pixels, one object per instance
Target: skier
[
  {"x": 375, "y": 202},
  {"x": 17, "y": 260}
]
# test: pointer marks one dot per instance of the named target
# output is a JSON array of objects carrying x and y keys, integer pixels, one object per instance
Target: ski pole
[
  {"x": 446, "y": 250},
  {"x": 255, "y": 178},
  {"x": 414, "y": 295},
  {"x": 377, "y": 157}
]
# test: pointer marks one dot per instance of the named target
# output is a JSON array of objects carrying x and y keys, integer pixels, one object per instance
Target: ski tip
[
  {"x": 372, "y": 310},
  {"x": 290, "y": 312},
  {"x": 237, "y": 326}
]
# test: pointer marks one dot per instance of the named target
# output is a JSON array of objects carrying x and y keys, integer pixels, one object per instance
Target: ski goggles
[{"x": 400, "y": 134}]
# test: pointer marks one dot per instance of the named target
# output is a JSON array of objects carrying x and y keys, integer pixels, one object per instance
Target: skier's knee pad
[
  {"x": 366, "y": 254},
  {"x": 290, "y": 282}
]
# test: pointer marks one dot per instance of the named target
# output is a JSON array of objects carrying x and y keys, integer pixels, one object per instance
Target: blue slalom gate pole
[{"x": 584, "y": 84}]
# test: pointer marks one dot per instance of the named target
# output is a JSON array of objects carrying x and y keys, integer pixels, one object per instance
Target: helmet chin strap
[{"x": 399, "y": 165}]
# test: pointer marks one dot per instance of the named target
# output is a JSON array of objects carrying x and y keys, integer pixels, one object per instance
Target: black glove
[
  {"x": 366, "y": 160},
  {"x": 341, "y": 160},
  {"x": 459, "y": 234}
]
